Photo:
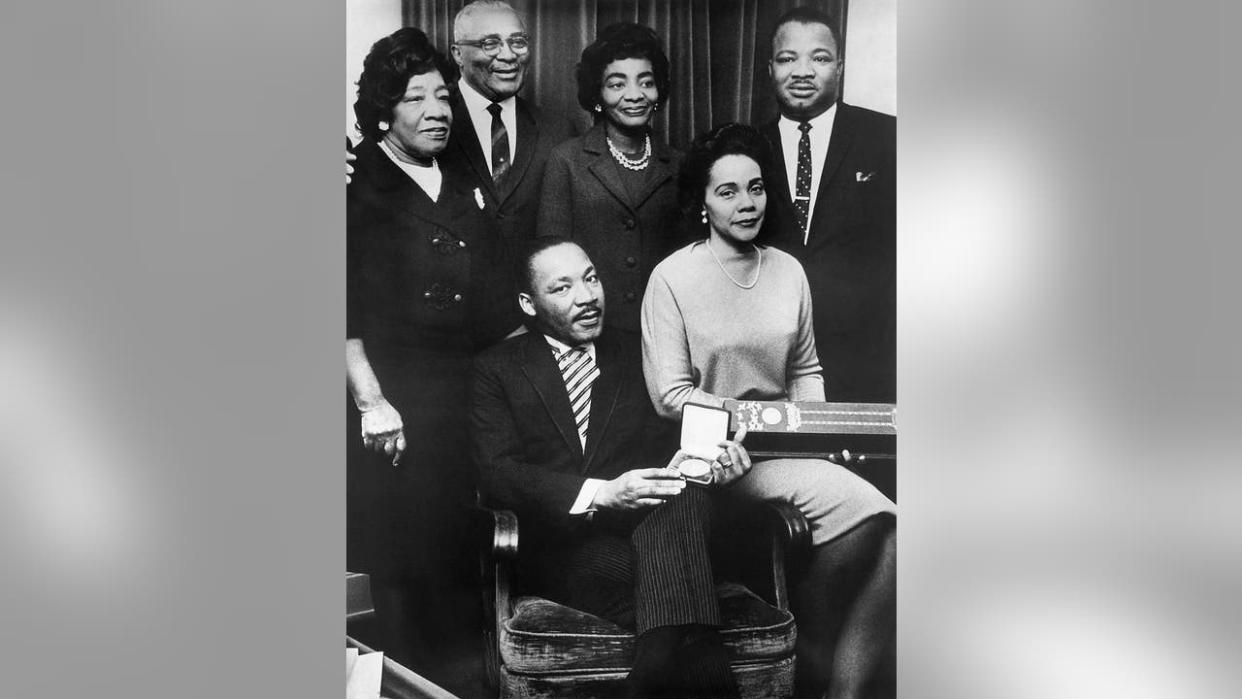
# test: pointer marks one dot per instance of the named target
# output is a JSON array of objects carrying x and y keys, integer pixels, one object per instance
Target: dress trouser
[{"x": 651, "y": 572}]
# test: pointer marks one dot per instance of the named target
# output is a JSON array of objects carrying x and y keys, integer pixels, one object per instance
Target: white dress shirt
[
  {"x": 476, "y": 106},
  {"x": 429, "y": 178},
  {"x": 584, "y": 503},
  {"x": 821, "y": 134}
]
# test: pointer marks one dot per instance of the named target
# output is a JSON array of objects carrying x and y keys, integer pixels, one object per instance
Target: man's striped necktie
[
  {"x": 500, "y": 143},
  {"x": 579, "y": 372}
]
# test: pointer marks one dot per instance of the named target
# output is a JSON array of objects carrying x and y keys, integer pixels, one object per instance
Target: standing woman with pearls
[
  {"x": 613, "y": 190},
  {"x": 724, "y": 318}
]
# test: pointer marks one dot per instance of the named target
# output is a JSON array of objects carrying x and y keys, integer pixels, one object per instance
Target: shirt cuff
[{"x": 586, "y": 497}]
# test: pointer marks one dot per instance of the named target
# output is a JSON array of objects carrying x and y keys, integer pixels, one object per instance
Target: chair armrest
[
  {"x": 504, "y": 531},
  {"x": 791, "y": 546},
  {"x": 497, "y": 537},
  {"x": 497, "y": 534},
  {"x": 761, "y": 544},
  {"x": 792, "y": 530}
]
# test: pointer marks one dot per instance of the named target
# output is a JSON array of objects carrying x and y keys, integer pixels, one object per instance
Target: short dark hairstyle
[
  {"x": 696, "y": 166},
  {"x": 804, "y": 15},
  {"x": 523, "y": 272},
  {"x": 614, "y": 43},
  {"x": 386, "y": 72}
]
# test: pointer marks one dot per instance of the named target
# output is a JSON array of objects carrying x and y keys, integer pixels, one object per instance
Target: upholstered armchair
[{"x": 539, "y": 648}]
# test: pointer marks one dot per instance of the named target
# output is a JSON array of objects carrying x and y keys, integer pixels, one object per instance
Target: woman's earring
[
  {"x": 655, "y": 107},
  {"x": 704, "y": 216},
  {"x": 383, "y": 126},
  {"x": 599, "y": 108}
]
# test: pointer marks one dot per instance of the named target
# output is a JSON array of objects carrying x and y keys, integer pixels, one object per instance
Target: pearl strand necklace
[
  {"x": 758, "y": 268},
  {"x": 624, "y": 160}
]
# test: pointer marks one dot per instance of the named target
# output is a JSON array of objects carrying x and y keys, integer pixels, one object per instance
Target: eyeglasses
[{"x": 518, "y": 44}]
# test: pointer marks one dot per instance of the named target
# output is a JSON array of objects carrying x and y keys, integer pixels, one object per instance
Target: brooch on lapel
[
  {"x": 861, "y": 176},
  {"x": 478, "y": 197}
]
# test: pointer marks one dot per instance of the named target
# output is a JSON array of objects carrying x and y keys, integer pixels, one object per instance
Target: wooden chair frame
[{"x": 784, "y": 527}]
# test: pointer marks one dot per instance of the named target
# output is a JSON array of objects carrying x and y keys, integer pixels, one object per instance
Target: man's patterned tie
[
  {"x": 802, "y": 197},
  {"x": 579, "y": 372},
  {"x": 500, "y": 144}
]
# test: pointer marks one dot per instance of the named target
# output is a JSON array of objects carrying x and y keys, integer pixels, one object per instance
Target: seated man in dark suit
[{"x": 564, "y": 434}]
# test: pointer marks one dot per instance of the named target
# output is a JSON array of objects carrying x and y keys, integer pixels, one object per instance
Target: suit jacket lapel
[
  {"x": 544, "y": 375},
  {"x": 780, "y": 227},
  {"x": 658, "y": 172},
  {"x": 466, "y": 140},
  {"x": 410, "y": 199},
  {"x": 840, "y": 143},
  {"x": 779, "y": 180},
  {"x": 527, "y": 137},
  {"x": 595, "y": 144},
  {"x": 603, "y": 397}
]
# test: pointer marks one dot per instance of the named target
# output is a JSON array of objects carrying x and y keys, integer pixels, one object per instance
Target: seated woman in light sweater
[{"x": 726, "y": 318}]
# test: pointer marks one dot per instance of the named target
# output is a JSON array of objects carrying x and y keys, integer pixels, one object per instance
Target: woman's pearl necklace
[
  {"x": 758, "y": 268},
  {"x": 624, "y": 160}
]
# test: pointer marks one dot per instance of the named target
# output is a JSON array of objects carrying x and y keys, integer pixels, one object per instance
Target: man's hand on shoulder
[{"x": 639, "y": 488}]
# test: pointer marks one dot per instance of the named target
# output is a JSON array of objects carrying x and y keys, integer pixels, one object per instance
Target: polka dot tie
[{"x": 802, "y": 195}]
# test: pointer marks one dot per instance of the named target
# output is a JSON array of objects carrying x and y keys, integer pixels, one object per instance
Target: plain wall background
[
  {"x": 871, "y": 55},
  {"x": 366, "y": 21}
]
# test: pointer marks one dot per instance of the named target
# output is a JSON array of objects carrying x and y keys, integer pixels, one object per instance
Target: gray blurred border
[{"x": 171, "y": 311}]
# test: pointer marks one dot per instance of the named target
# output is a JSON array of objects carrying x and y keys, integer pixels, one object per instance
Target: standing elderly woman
[
  {"x": 613, "y": 190},
  {"x": 425, "y": 290},
  {"x": 724, "y": 318}
]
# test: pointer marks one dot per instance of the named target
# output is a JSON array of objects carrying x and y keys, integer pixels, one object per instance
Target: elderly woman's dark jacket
[{"x": 426, "y": 288}]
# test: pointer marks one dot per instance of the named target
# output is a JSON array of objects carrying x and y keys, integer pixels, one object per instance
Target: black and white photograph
[{"x": 621, "y": 348}]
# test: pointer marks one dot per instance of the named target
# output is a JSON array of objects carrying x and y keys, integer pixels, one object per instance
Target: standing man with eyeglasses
[{"x": 500, "y": 142}]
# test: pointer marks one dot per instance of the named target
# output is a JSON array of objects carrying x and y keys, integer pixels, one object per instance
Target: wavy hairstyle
[
  {"x": 386, "y": 72},
  {"x": 614, "y": 43},
  {"x": 696, "y": 166}
]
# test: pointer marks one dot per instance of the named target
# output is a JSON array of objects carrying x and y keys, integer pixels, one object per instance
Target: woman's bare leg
[
  {"x": 868, "y": 626},
  {"x": 845, "y": 610}
]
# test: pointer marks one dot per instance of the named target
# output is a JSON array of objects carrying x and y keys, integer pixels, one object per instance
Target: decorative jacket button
[
  {"x": 631, "y": 261},
  {"x": 630, "y": 296},
  {"x": 629, "y": 223},
  {"x": 461, "y": 243},
  {"x": 426, "y": 294},
  {"x": 457, "y": 297}
]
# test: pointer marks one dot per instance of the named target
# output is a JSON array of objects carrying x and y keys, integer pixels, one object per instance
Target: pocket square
[
  {"x": 478, "y": 197},
  {"x": 861, "y": 176}
]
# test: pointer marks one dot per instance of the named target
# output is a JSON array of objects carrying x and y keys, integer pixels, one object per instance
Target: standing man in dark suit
[
  {"x": 499, "y": 141},
  {"x": 833, "y": 206},
  {"x": 563, "y": 432}
]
